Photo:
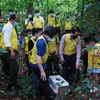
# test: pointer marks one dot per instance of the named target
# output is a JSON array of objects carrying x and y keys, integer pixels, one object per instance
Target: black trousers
[
  {"x": 69, "y": 68},
  {"x": 13, "y": 70},
  {"x": 58, "y": 32},
  {"x": 52, "y": 63},
  {"x": 5, "y": 59},
  {"x": 27, "y": 64},
  {"x": 44, "y": 87}
]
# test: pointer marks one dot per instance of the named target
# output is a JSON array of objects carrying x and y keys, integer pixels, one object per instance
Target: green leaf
[
  {"x": 78, "y": 88},
  {"x": 86, "y": 80},
  {"x": 67, "y": 91},
  {"x": 80, "y": 97},
  {"x": 89, "y": 86}
]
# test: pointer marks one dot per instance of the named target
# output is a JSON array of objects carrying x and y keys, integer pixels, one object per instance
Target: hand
[
  {"x": 13, "y": 54},
  {"x": 77, "y": 66},
  {"x": 43, "y": 76},
  {"x": 57, "y": 54},
  {"x": 62, "y": 61},
  {"x": 49, "y": 54}
]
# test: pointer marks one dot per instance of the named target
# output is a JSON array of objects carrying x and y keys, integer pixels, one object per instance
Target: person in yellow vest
[
  {"x": 39, "y": 58},
  {"x": 11, "y": 44},
  {"x": 51, "y": 18},
  {"x": 36, "y": 33},
  {"x": 93, "y": 69},
  {"x": 68, "y": 25},
  {"x": 38, "y": 21},
  {"x": 24, "y": 47},
  {"x": 53, "y": 58},
  {"x": 58, "y": 25},
  {"x": 69, "y": 51},
  {"x": 29, "y": 22},
  {"x": 1, "y": 26}
]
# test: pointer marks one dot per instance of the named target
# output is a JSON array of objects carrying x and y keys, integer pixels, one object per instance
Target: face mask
[
  {"x": 74, "y": 37},
  {"x": 38, "y": 14},
  {"x": 15, "y": 24},
  {"x": 51, "y": 14},
  {"x": 10, "y": 13},
  {"x": 1, "y": 26},
  {"x": 57, "y": 16},
  {"x": 68, "y": 20},
  {"x": 29, "y": 16},
  {"x": 29, "y": 35},
  {"x": 50, "y": 40}
]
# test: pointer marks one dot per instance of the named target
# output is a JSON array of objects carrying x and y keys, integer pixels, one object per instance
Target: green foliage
[
  {"x": 27, "y": 88},
  {"x": 83, "y": 13}
]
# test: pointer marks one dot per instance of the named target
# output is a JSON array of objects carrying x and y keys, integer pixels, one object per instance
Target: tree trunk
[{"x": 30, "y": 8}]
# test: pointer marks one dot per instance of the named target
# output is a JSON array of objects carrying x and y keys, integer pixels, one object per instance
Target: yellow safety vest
[
  {"x": 38, "y": 22},
  {"x": 51, "y": 20},
  {"x": 29, "y": 55},
  {"x": 14, "y": 39},
  {"x": 29, "y": 25},
  {"x": 58, "y": 23},
  {"x": 1, "y": 39},
  {"x": 68, "y": 25},
  {"x": 52, "y": 46},
  {"x": 70, "y": 45},
  {"x": 94, "y": 61},
  {"x": 26, "y": 44},
  {"x": 34, "y": 52}
]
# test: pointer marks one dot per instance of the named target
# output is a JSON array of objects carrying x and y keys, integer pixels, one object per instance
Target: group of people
[{"x": 43, "y": 50}]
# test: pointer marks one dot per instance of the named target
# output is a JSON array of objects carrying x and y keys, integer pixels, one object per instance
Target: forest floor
[{"x": 8, "y": 95}]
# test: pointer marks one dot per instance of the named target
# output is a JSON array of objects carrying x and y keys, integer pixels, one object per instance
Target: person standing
[
  {"x": 24, "y": 47},
  {"x": 29, "y": 22},
  {"x": 58, "y": 25},
  {"x": 37, "y": 32},
  {"x": 69, "y": 51},
  {"x": 38, "y": 21},
  {"x": 11, "y": 44},
  {"x": 51, "y": 18},
  {"x": 53, "y": 58},
  {"x": 38, "y": 61},
  {"x": 93, "y": 69},
  {"x": 68, "y": 25}
]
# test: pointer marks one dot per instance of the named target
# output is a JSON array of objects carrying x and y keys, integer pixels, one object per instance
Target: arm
[
  {"x": 41, "y": 49},
  {"x": 78, "y": 54},
  {"x": 61, "y": 48},
  {"x": 42, "y": 72},
  {"x": 26, "y": 21},
  {"x": 7, "y": 30},
  {"x": 43, "y": 23},
  {"x": 23, "y": 48},
  {"x": 30, "y": 46},
  {"x": 57, "y": 44}
]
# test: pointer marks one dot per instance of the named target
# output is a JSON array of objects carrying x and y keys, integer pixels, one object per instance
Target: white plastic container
[{"x": 58, "y": 84}]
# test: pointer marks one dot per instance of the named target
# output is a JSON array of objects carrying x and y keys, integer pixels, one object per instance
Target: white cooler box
[{"x": 58, "y": 84}]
